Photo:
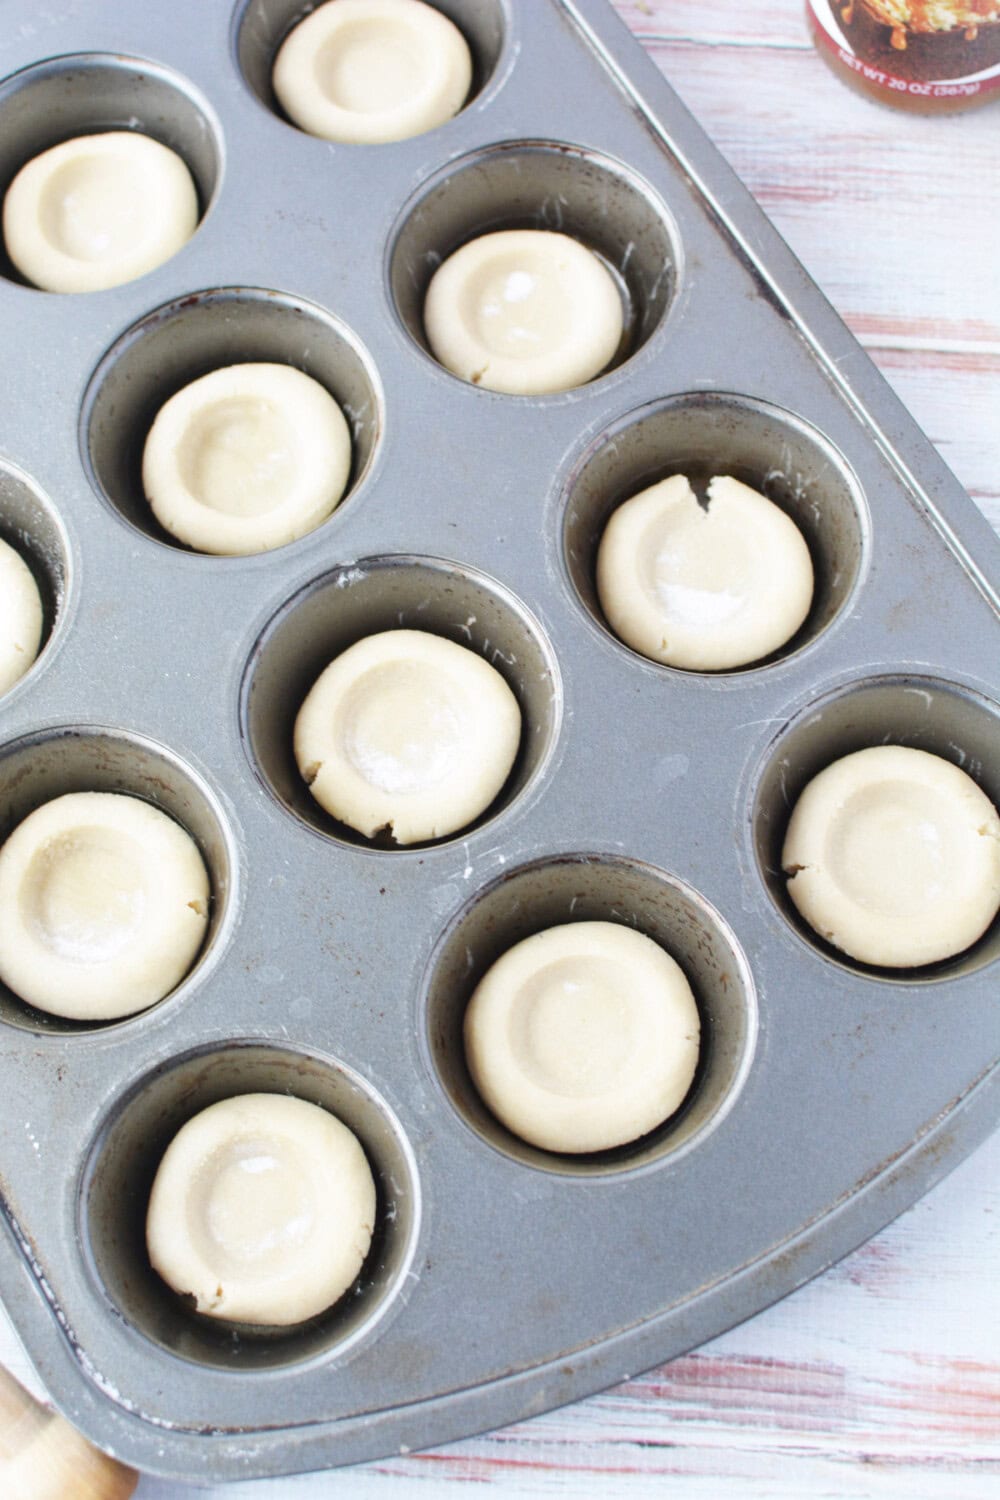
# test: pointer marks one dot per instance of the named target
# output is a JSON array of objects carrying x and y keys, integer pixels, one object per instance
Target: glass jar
[{"x": 933, "y": 56}]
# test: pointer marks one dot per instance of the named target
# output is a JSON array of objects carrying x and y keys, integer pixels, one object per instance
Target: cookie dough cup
[
  {"x": 372, "y": 71},
  {"x": 707, "y": 589},
  {"x": 103, "y": 906},
  {"x": 20, "y": 617},
  {"x": 262, "y": 1210},
  {"x": 97, "y": 211},
  {"x": 583, "y": 1037},
  {"x": 893, "y": 856},
  {"x": 409, "y": 732},
  {"x": 524, "y": 311},
  {"x": 245, "y": 459}
]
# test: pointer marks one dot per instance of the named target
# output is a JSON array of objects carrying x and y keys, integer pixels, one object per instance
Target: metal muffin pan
[{"x": 502, "y": 1280}]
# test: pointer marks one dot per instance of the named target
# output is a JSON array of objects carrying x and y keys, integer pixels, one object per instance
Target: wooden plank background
[{"x": 881, "y": 1378}]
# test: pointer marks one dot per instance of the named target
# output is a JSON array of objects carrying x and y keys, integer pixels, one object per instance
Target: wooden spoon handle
[{"x": 43, "y": 1458}]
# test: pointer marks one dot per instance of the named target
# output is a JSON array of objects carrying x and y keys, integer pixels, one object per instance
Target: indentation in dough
[
  {"x": 515, "y": 304},
  {"x": 572, "y": 1029},
  {"x": 894, "y": 849},
  {"x": 250, "y": 1207},
  {"x": 94, "y": 207},
  {"x": 238, "y": 456},
  {"x": 370, "y": 66},
  {"x": 84, "y": 894},
  {"x": 402, "y": 727}
]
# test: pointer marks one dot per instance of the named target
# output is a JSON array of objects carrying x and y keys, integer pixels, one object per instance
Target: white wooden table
[{"x": 881, "y": 1378}]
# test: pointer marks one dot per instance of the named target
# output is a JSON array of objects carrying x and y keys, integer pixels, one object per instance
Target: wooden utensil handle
[{"x": 43, "y": 1458}]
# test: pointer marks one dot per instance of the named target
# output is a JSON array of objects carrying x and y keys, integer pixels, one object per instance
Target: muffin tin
[{"x": 502, "y": 1280}]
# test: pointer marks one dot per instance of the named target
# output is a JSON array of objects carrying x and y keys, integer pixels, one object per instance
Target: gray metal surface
[{"x": 502, "y": 1281}]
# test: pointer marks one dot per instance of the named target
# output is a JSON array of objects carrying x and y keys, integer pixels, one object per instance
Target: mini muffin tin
[{"x": 501, "y": 1280}]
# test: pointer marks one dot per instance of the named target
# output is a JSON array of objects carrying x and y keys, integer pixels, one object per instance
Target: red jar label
[{"x": 930, "y": 49}]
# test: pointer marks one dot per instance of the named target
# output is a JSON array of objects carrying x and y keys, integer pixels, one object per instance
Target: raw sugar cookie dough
[
  {"x": 524, "y": 311},
  {"x": 409, "y": 732},
  {"x": 583, "y": 1037},
  {"x": 704, "y": 589},
  {"x": 262, "y": 1210},
  {"x": 893, "y": 856},
  {"x": 20, "y": 617},
  {"x": 97, "y": 211},
  {"x": 247, "y": 458},
  {"x": 372, "y": 71},
  {"x": 103, "y": 906}
]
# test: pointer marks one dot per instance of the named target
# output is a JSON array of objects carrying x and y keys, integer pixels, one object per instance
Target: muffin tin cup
[
  {"x": 30, "y": 525},
  {"x": 85, "y": 758},
  {"x": 189, "y": 338},
  {"x": 90, "y": 93},
  {"x": 594, "y": 888},
  {"x": 948, "y": 719},
  {"x": 542, "y": 185},
  {"x": 389, "y": 593},
  {"x": 127, "y": 1151},
  {"x": 260, "y": 27},
  {"x": 503, "y": 1278},
  {"x": 702, "y": 434}
]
